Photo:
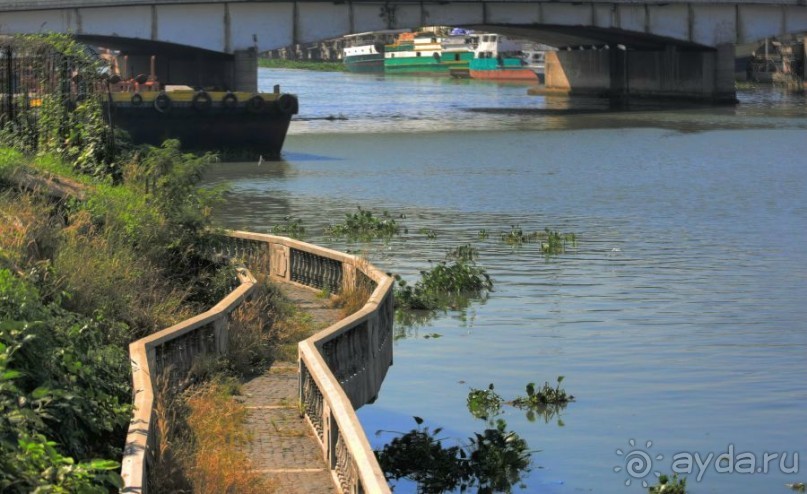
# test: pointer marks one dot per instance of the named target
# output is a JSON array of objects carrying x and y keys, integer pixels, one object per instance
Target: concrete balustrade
[{"x": 341, "y": 367}]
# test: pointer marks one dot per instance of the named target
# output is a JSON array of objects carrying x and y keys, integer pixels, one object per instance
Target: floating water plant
[
  {"x": 430, "y": 234},
  {"x": 547, "y": 395},
  {"x": 552, "y": 242},
  {"x": 516, "y": 236},
  {"x": 291, "y": 227},
  {"x": 493, "y": 461},
  {"x": 484, "y": 403},
  {"x": 668, "y": 485},
  {"x": 447, "y": 284},
  {"x": 364, "y": 225}
]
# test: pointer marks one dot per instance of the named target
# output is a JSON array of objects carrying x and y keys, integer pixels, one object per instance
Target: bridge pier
[
  {"x": 620, "y": 74},
  {"x": 245, "y": 70}
]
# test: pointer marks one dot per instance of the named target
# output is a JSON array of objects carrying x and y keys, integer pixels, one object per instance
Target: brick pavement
[{"x": 283, "y": 445}]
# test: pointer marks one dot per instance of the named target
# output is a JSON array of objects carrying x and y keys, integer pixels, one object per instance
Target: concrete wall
[{"x": 697, "y": 75}]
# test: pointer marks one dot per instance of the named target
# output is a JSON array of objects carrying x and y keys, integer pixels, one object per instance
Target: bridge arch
[{"x": 238, "y": 29}]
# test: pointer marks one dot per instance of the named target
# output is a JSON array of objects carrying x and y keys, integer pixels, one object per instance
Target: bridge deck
[{"x": 283, "y": 446}]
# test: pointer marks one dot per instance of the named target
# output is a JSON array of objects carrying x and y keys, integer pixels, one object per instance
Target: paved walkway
[{"x": 283, "y": 446}]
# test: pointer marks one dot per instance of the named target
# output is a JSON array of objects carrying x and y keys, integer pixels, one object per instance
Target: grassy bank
[{"x": 277, "y": 63}]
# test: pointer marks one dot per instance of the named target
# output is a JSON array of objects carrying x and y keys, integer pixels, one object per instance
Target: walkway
[{"x": 283, "y": 445}]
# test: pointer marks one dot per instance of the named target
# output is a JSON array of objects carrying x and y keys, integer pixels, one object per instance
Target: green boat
[{"x": 426, "y": 54}]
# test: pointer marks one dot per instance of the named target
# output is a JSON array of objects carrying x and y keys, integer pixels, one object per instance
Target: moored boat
[
  {"x": 498, "y": 58},
  {"x": 415, "y": 54},
  {"x": 364, "y": 53},
  {"x": 458, "y": 50},
  {"x": 233, "y": 123}
]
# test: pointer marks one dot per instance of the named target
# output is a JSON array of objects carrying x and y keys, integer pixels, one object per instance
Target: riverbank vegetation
[
  {"x": 101, "y": 243},
  {"x": 282, "y": 63}
]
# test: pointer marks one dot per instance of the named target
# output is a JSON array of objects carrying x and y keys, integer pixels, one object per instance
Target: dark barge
[{"x": 234, "y": 123}]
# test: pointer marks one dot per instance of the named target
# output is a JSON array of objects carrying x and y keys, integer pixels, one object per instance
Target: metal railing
[{"x": 341, "y": 367}]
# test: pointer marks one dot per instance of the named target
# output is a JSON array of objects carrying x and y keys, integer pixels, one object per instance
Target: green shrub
[{"x": 64, "y": 393}]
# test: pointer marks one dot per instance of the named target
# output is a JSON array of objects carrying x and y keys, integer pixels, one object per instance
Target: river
[{"x": 679, "y": 319}]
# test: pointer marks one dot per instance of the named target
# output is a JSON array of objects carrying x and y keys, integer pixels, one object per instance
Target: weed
[
  {"x": 353, "y": 299},
  {"x": 208, "y": 447},
  {"x": 493, "y": 460},
  {"x": 669, "y": 486},
  {"x": 547, "y": 395},
  {"x": 484, "y": 403},
  {"x": 552, "y": 241},
  {"x": 292, "y": 227},
  {"x": 430, "y": 234},
  {"x": 483, "y": 234},
  {"x": 448, "y": 284},
  {"x": 364, "y": 225}
]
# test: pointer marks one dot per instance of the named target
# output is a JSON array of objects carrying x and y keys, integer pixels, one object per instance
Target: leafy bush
[{"x": 64, "y": 393}]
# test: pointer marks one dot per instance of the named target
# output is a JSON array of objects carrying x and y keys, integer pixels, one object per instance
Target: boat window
[
  {"x": 484, "y": 38},
  {"x": 493, "y": 37},
  {"x": 456, "y": 57},
  {"x": 418, "y": 53}
]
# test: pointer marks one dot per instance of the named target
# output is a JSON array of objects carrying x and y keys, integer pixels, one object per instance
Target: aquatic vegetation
[
  {"x": 463, "y": 253},
  {"x": 483, "y": 234},
  {"x": 430, "y": 234},
  {"x": 364, "y": 225},
  {"x": 547, "y": 395},
  {"x": 493, "y": 461},
  {"x": 668, "y": 485},
  {"x": 484, "y": 403},
  {"x": 448, "y": 284},
  {"x": 552, "y": 241},
  {"x": 291, "y": 227}
]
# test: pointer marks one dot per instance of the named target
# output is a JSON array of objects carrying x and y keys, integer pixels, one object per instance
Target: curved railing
[
  {"x": 171, "y": 349},
  {"x": 341, "y": 367}
]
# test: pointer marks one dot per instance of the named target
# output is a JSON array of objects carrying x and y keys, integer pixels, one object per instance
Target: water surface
[{"x": 679, "y": 317}]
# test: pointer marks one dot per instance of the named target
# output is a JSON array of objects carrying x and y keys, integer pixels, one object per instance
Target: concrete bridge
[{"x": 673, "y": 47}]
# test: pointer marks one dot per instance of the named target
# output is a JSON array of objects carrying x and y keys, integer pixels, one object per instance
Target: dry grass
[
  {"x": 27, "y": 230},
  {"x": 353, "y": 299},
  {"x": 107, "y": 277},
  {"x": 219, "y": 463},
  {"x": 202, "y": 442}
]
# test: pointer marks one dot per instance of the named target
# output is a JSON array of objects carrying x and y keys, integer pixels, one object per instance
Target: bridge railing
[{"x": 341, "y": 367}]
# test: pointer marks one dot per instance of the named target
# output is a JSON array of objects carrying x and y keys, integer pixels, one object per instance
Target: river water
[{"x": 678, "y": 319}]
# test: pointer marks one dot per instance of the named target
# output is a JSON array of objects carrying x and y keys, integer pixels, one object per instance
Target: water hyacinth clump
[
  {"x": 447, "y": 284},
  {"x": 546, "y": 395},
  {"x": 484, "y": 403},
  {"x": 291, "y": 227},
  {"x": 669, "y": 485},
  {"x": 552, "y": 241},
  {"x": 364, "y": 225}
]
